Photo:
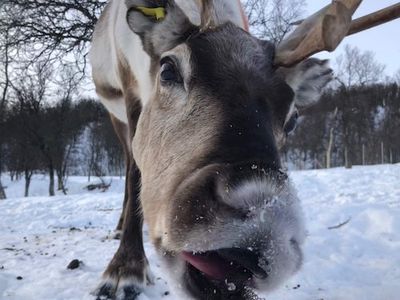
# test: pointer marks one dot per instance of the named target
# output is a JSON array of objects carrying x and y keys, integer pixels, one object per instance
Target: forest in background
[
  {"x": 358, "y": 125},
  {"x": 47, "y": 126}
]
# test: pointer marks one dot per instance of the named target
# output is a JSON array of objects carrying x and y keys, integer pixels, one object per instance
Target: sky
[{"x": 383, "y": 40}]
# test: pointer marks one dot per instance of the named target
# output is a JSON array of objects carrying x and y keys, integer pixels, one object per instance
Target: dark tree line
[
  {"x": 53, "y": 137},
  {"x": 350, "y": 126},
  {"x": 54, "y": 33},
  {"x": 356, "y": 123}
]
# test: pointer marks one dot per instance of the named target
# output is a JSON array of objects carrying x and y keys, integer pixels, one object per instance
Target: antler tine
[
  {"x": 327, "y": 28},
  {"x": 322, "y": 31},
  {"x": 375, "y": 19},
  {"x": 207, "y": 13}
]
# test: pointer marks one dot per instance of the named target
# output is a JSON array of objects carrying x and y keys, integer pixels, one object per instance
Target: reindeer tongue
[
  {"x": 210, "y": 264},
  {"x": 234, "y": 263}
]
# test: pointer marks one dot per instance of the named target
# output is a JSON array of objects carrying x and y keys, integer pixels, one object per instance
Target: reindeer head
[{"x": 219, "y": 208}]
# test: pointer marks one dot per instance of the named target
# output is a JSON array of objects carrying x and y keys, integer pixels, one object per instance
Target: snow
[{"x": 40, "y": 235}]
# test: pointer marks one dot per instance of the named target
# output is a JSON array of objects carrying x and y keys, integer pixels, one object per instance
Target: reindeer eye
[
  {"x": 168, "y": 72},
  {"x": 291, "y": 124}
]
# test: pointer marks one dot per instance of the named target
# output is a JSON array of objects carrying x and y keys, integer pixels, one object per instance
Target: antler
[
  {"x": 207, "y": 13},
  {"x": 327, "y": 28}
]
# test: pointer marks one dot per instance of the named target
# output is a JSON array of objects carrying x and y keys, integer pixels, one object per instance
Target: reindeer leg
[
  {"x": 122, "y": 131},
  {"x": 119, "y": 227},
  {"x": 128, "y": 273}
]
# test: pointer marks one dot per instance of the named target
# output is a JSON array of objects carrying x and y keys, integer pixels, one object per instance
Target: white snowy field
[{"x": 40, "y": 235}]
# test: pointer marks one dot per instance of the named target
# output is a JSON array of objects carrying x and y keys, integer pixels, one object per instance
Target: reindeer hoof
[
  {"x": 124, "y": 280},
  {"x": 113, "y": 290},
  {"x": 105, "y": 291}
]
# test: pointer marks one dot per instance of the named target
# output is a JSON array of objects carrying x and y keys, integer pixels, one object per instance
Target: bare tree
[
  {"x": 49, "y": 30},
  {"x": 273, "y": 19},
  {"x": 94, "y": 151},
  {"x": 331, "y": 138},
  {"x": 2, "y": 191},
  {"x": 4, "y": 85},
  {"x": 356, "y": 67},
  {"x": 68, "y": 127},
  {"x": 30, "y": 92},
  {"x": 397, "y": 77}
]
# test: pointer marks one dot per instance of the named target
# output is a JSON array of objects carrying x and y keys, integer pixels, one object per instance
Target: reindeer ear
[
  {"x": 161, "y": 25},
  {"x": 308, "y": 80}
]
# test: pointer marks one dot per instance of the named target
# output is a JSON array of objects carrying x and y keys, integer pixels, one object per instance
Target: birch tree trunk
[
  {"x": 51, "y": 184},
  {"x": 28, "y": 176},
  {"x": 2, "y": 192},
  {"x": 347, "y": 163},
  {"x": 363, "y": 155},
  {"x": 330, "y": 144},
  {"x": 329, "y": 150}
]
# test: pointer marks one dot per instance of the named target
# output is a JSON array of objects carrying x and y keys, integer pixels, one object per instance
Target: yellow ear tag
[{"x": 157, "y": 13}]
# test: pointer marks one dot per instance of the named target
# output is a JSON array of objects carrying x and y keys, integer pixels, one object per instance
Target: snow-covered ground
[{"x": 39, "y": 236}]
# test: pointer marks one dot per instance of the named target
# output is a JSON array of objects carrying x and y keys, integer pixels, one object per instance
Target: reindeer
[{"x": 201, "y": 111}]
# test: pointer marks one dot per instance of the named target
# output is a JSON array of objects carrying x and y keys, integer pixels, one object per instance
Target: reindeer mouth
[{"x": 223, "y": 273}]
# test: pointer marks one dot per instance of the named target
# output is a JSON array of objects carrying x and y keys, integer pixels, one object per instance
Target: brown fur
[{"x": 122, "y": 131}]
